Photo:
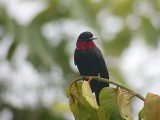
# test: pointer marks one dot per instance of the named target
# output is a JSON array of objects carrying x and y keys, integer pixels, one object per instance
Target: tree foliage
[{"x": 115, "y": 104}]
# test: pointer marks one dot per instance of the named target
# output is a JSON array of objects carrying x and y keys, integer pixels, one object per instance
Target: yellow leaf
[
  {"x": 152, "y": 107},
  {"x": 87, "y": 93},
  {"x": 123, "y": 100}
]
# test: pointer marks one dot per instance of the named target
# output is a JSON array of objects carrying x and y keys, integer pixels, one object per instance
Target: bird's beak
[{"x": 93, "y": 38}]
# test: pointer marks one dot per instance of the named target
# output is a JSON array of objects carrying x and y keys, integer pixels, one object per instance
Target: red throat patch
[{"x": 84, "y": 45}]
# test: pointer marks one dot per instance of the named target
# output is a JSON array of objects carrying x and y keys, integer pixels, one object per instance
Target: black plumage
[{"x": 90, "y": 61}]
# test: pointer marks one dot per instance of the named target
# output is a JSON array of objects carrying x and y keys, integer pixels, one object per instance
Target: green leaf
[
  {"x": 86, "y": 112},
  {"x": 141, "y": 114},
  {"x": 101, "y": 113},
  {"x": 74, "y": 107},
  {"x": 152, "y": 107},
  {"x": 116, "y": 114},
  {"x": 107, "y": 99},
  {"x": 74, "y": 89}
]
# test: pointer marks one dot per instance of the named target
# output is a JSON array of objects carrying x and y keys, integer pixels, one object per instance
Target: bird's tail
[
  {"x": 99, "y": 87},
  {"x": 97, "y": 96}
]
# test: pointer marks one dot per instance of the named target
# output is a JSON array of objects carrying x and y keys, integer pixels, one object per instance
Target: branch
[{"x": 114, "y": 83}]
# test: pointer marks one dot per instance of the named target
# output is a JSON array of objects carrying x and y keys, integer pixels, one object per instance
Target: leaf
[
  {"x": 74, "y": 107},
  {"x": 74, "y": 104},
  {"x": 123, "y": 100},
  {"x": 107, "y": 99},
  {"x": 116, "y": 114},
  {"x": 87, "y": 93},
  {"x": 86, "y": 107},
  {"x": 74, "y": 89},
  {"x": 86, "y": 112},
  {"x": 152, "y": 107},
  {"x": 101, "y": 113},
  {"x": 141, "y": 114},
  {"x": 89, "y": 109}
]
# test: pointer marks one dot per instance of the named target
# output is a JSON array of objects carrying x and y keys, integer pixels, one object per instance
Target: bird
[{"x": 90, "y": 62}]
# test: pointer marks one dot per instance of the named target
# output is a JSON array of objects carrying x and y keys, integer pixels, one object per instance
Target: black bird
[{"x": 90, "y": 61}]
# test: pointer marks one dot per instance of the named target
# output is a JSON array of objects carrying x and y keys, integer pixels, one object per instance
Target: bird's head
[
  {"x": 85, "y": 41},
  {"x": 86, "y": 36}
]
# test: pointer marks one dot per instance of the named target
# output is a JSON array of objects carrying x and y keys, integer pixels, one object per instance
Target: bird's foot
[
  {"x": 98, "y": 77},
  {"x": 82, "y": 77}
]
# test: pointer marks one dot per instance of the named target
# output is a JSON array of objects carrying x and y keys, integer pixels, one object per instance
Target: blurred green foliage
[{"x": 44, "y": 55}]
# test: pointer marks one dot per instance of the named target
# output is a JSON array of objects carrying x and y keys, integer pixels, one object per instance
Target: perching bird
[{"x": 90, "y": 61}]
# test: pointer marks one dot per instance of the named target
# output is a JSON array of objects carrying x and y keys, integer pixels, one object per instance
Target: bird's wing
[
  {"x": 75, "y": 57},
  {"x": 101, "y": 62}
]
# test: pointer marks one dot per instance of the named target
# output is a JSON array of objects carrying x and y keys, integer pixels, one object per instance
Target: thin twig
[
  {"x": 71, "y": 94},
  {"x": 77, "y": 88},
  {"x": 89, "y": 80},
  {"x": 114, "y": 83}
]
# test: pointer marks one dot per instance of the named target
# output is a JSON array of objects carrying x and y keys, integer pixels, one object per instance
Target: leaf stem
[
  {"x": 70, "y": 92},
  {"x": 117, "y": 84}
]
